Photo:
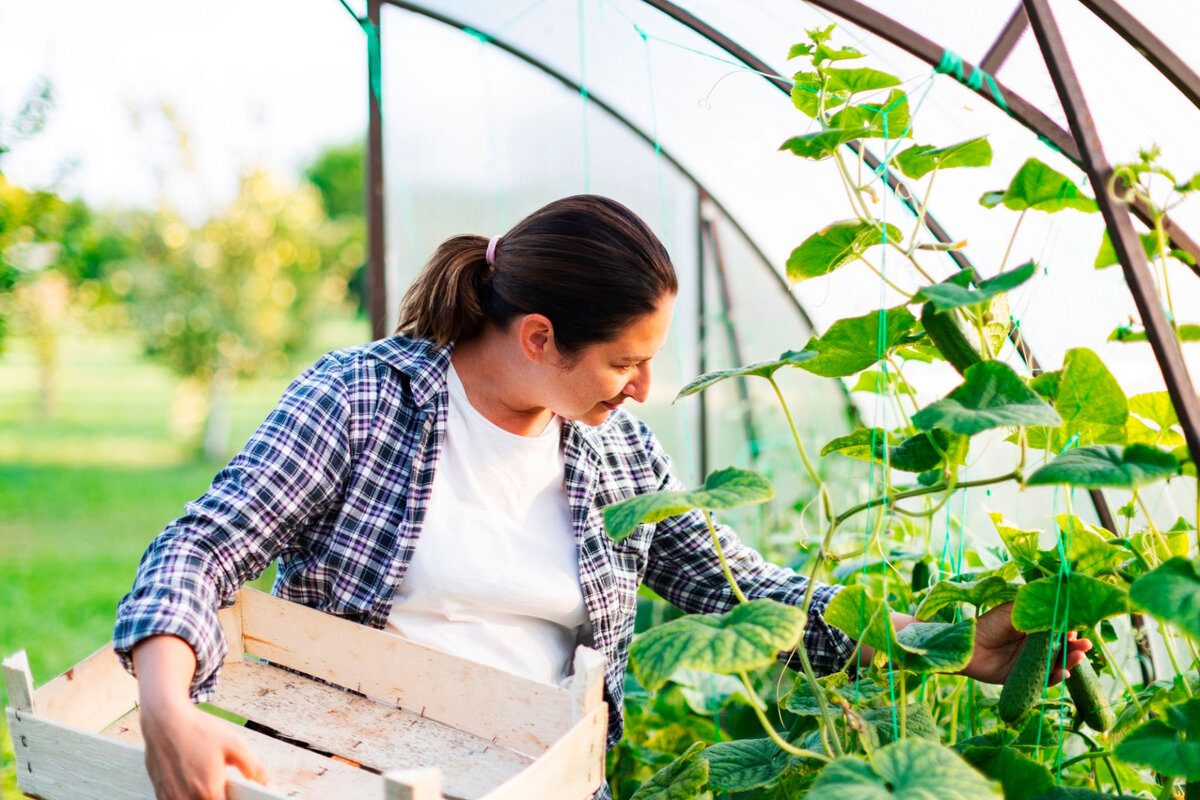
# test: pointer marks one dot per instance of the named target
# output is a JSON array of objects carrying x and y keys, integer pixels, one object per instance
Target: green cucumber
[
  {"x": 1091, "y": 705},
  {"x": 920, "y": 575},
  {"x": 956, "y": 336},
  {"x": 1027, "y": 679}
]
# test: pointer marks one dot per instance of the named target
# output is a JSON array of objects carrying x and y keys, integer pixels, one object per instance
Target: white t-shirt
[{"x": 495, "y": 574}]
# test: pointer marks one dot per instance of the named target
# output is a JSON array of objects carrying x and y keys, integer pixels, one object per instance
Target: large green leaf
[
  {"x": 1171, "y": 592},
  {"x": 823, "y": 144},
  {"x": 919, "y": 453},
  {"x": 851, "y": 345},
  {"x": 1106, "y": 465},
  {"x": 950, "y": 294},
  {"x": 881, "y": 724},
  {"x": 750, "y": 636},
  {"x": 1089, "y": 400},
  {"x": 763, "y": 369},
  {"x": 1021, "y": 544},
  {"x": 992, "y": 396},
  {"x": 835, "y": 245},
  {"x": 722, "y": 490},
  {"x": 1021, "y": 776},
  {"x": 682, "y": 779},
  {"x": 876, "y": 382},
  {"x": 1075, "y": 600},
  {"x": 1038, "y": 187},
  {"x": 989, "y": 591},
  {"x": 806, "y": 94},
  {"x": 1169, "y": 744},
  {"x": 743, "y": 764},
  {"x": 859, "y": 80},
  {"x": 1156, "y": 409},
  {"x": 865, "y": 444},
  {"x": 919, "y": 647},
  {"x": 1088, "y": 550},
  {"x": 920, "y": 159},
  {"x": 911, "y": 769},
  {"x": 889, "y": 118}
]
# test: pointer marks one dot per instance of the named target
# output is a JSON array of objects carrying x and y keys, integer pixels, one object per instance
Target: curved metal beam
[{"x": 1017, "y": 107}]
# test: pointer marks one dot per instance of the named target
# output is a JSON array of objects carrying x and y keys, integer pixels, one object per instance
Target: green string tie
[
  {"x": 952, "y": 64},
  {"x": 374, "y": 61},
  {"x": 480, "y": 35}
]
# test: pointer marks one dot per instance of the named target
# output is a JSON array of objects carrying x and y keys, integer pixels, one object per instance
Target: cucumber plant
[{"x": 901, "y": 723}]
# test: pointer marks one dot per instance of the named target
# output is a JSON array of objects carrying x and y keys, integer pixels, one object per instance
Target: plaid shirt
[{"x": 335, "y": 484}]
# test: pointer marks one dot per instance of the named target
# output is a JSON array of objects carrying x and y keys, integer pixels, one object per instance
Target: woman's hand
[
  {"x": 998, "y": 643},
  {"x": 187, "y": 750}
]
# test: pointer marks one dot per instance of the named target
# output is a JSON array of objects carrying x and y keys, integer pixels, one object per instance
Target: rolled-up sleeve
[
  {"x": 292, "y": 468},
  {"x": 684, "y": 568}
]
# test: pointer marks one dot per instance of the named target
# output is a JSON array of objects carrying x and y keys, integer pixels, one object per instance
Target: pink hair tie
[{"x": 491, "y": 250}]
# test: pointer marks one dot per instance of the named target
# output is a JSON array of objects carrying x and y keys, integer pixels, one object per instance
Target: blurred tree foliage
[
  {"x": 236, "y": 296},
  {"x": 337, "y": 172}
]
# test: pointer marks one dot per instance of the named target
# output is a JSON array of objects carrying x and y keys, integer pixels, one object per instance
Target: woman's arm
[{"x": 187, "y": 750}]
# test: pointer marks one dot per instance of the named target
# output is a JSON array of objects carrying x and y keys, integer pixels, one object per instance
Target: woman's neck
[{"x": 499, "y": 383}]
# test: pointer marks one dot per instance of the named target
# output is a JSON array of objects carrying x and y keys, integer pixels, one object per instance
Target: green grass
[{"x": 82, "y": 494}]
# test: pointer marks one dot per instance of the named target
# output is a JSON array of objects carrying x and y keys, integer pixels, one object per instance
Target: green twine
[
  {"x": 480, "y": 35},
  {"x": 952, "y": 64},
  {"x": 1046, "y": 141}
]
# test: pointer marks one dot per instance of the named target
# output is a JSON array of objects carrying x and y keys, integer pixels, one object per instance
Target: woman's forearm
[{"x": 165, "y": 666}]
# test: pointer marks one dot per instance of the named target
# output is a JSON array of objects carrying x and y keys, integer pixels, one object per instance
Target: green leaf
[
  {"x": 806, "y": 94},
  {"x": 1089, "y": 400},
  {"x": 952, "y": 294},
  {"x": 1155, "y": 407},
  {"x": 1107, "y": 255},
  {"x": 826, "y": 53},
  {"x": 724, "y": 489},
  {"x": 837, "y": 244},
  {"x": 799, "y": 50},
  {"x": 920, "y": 159},
  {"x": 1088, "y": 552},
  {"x": 1021, "y": 776},
  {"x": 763, "y": 369},
  {"x": 919, "y": 647},
  {"x": 914, "y": 454},
  {"x": 876, "y": 382},
  {"x": 851, "y": 345},
  {"x": 743, "y": 764},
  {"x": 837, "y": 687},
  {"x": 1187, "y": 332},
  {"x": 1171, "y": 592},
  {"x": 991, "y": 199},
  {"x": 865, "y": 444},
  {"x": 1169, "y": 744},
  {"x": 1076, "y": 600},
  {"x": 911, "y": 769},
  {"x": 888, "y": 119},
  {"x": 859, "y": 80},
  {"x": 750, "y": 636},
  {"x": 1022, "y": 545},
  {"x": 989, "y": 591},
  {"x": 881, "y": 728},
  {"x": 682, "y": 779},
  {"x": 1106, "y": 465},
  {"x": 1038, "y": 187},
  {"x": 823, "y": 144},
  {"x": 1081, "y": 793},
  {"x": 992, "y": 396},
  {"x": 706, "y": 693}
]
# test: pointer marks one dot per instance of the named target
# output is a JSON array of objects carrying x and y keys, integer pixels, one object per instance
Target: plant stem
[
  {"x": 808, "y": 465},
  {"x": 779, "y": 741},
  {"x": 1012, "y": 239},
  {"x": 912, "y": 244},
  {"x": 737, "y": 592},
  {"x": 1169, "y": 640},
  {"x": 1120, "y": 673},
  {"x": 889, "y": 499}
]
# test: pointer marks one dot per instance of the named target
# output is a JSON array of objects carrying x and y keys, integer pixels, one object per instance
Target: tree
[{"x": 236, "y": 296}]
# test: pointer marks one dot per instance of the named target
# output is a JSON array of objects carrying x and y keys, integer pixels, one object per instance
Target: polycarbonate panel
[{"x": 724, "y": 124}]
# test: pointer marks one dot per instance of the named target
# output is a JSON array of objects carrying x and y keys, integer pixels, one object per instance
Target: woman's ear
[{"x": 536, "y": 337}]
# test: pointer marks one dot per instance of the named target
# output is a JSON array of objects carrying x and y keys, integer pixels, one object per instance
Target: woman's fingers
[
  {"x": 239, "y": 754},
  {"x": 1074, "y": 653}
]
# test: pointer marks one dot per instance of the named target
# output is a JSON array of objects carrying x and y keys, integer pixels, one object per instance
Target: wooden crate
[{"x": 437, "y": 727}]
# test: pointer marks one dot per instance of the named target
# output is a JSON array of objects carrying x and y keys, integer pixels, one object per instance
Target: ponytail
[
  {"x": 587, "y": 263},
  {"x": 443, "y": 304}
]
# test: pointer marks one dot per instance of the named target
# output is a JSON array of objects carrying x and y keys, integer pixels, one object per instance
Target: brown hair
[{"x": 587, "y": 263}]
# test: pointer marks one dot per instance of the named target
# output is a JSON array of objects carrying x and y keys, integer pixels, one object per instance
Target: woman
[{"x": 490, "y": 429}]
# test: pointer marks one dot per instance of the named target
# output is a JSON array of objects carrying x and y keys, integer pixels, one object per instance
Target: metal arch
[{"x": 1017, "y": 107}]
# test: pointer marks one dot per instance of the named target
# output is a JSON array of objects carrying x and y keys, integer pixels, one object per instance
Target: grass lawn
[{"x": 82, "y": 495}]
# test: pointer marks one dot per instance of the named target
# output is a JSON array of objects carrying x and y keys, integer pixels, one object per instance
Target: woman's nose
[{"x": 638, "y": 389}]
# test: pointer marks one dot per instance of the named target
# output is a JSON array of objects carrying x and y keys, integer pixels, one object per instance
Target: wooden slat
[
  {"x": 19, "y": 681},
  {"x": 586, "y": 684},
  {"x": 294, "y": 771},
  {"x": 413, "y": 784},
  {"x": 573, "y": 769},
  {"x": 365, "y": 731},
  {"x": 64, "y": 763},
  {"x": 231, "y": 622},
  {"x": 520, "y": 714},
  {"x": 91, "y": 694}
]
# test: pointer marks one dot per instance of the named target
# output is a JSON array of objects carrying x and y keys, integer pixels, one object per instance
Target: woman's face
[{"x": 606, "y": 374}]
